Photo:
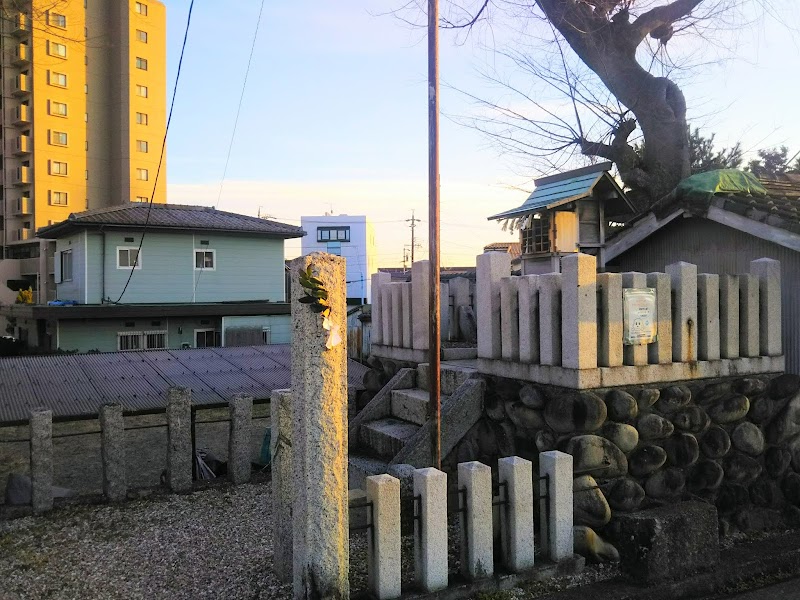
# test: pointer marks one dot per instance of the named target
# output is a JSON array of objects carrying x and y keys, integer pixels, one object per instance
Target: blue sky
[{"x": 334, "y": 116}]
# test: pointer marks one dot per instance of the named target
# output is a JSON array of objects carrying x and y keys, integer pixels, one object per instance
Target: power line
[{"x": 161, "y": 158}]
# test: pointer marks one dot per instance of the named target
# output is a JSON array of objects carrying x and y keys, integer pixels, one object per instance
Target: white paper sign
[{"x": 640, "y": 317}]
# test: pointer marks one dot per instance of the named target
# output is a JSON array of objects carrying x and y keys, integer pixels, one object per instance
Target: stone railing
[{"x": 567, "y": 328}]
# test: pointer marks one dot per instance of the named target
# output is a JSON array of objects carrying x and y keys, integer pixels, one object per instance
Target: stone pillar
[
  {"x": 241, "y": 426},
  {"x": 550, "y": 318},
  {"x": 280, "y": 445},
  {"x": 609, "y": 326},
  {"x": 477, "y": 558},
  {"x": 179, "y": 439},
  {"x": 684, "y": 311},
  {"x": 396, "y": 319},
  {"x": 768, "y": 272},
  {"x": 556, "y": 509},
  {"x": 491, "y": 267},
  {"x": 635, "y": 355},
  {"x": 516, "y": 528},
  {"x": 387, "y": 310},
  {"x": 420, "y": 304},
  {"x": 444, "y": 311},
  {"x": 430, "y": 534},
  {"x": 529, "y": 318},
  {"x": 579, "y": 311},
  {"x": 729, "y": 316},
  {"x": 405, "y": 301},
  {"x": 383, "y": 545},
  {"x": 319, "y": 436},
  {"x": 459, "y": 288},
  {"x": 41, "y": 450},
  {"x": 708, "y": 317},
  {"x": 509, "y": 318},
  {"x": 378, "y": 279},
  {"x": 749, "y": 325},
  {"x": 660, "y": 351},
  {"x": 112, "y": 434}
]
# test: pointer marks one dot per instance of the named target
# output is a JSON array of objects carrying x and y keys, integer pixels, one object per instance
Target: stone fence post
[
  {"x": 768, "y": 272},
  {"x": 241, "y": 427},
  {"x": 579, "y": 311},
  {"x": 684, "y": 311},
  {"x": 420, "y": 304},
  {"x": 477, "y": 553},
  {"x": 516, "y": 525},
  {"x": 179, "y": 439},
  {"x": 383, "y": 545},
  {"x": 378, "y": 280},
  {"x": 112, "y": 426},
  {"x": 41, "y": 449},
  {"x": 280, "y": 445},
  {"x": 491, "y": 267},
  {"x": 430, "y": 535},
  {"x": 556, "y": 508}
]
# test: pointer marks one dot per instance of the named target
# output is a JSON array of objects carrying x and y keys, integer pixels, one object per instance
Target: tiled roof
[
  {"x": 513, "y": 248},
  {"x": 170, "y": 217},
  {"x": 77, "y": 385}
]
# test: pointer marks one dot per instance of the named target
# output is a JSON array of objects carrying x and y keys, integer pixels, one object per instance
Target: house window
[
  {"x": 66, "y": 265},
  {"x": 142, "y": 199},
  {"x": 334, "y": 248},
  {"x": 205, "y": 260},
  {"x": 56, "y": 49},
  {"x": 141, "y": 118},
  {"x": 58, "y": 138},
  {"x": 57, "y": 79},
  {"x": 58, "y": 198},
  {"x": 141, "y": 63},
  {"x": 207, "y": 338},
  {"x": 141, "y": 146},
  {"x": 58, "y": 109},
  {"x": 138, "y": 340},
  {"x": 142, "y": 174},
  {"x": 266, "y": 336},
  {"x": 155, "y": 340},
  {"x": 141, "y": 90},
  {"x": 58, "y": 168},
  {"x": 129, "y": 341},
  {"x": 128, "y": 257},
  {"x": 57, "y": 20},
  {"x": 333, "y": 234},
  {"x": 536, "y": 238},
  {"x": 141, "y": 8},
  {"x": 141, "y": 36}
]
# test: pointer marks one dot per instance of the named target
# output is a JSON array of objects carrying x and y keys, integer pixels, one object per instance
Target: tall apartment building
[{"x": 83, "y": 117}]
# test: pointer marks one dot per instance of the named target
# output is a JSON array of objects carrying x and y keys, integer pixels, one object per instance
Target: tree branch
[{"x": 662, "y": 16}]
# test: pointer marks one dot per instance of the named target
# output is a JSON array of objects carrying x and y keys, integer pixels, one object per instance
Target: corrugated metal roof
[
  {"x": 170, "y": 216},
  {"x": 78, "y": 385}
]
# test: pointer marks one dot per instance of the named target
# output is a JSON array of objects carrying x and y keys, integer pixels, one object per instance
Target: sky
[{"x": 334, "y": 115}]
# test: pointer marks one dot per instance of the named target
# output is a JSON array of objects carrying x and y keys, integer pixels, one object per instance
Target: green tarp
[{"x": 704, "y": 186}]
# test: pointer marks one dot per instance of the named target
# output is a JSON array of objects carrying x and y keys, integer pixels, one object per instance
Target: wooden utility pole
[{"x": 434, "y": 405}]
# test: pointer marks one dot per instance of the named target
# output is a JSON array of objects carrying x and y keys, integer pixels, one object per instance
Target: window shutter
[{"x": 57, "y": 265}]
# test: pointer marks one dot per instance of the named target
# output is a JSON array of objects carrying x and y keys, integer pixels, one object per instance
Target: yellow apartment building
[{"x": 83, "y": 119}]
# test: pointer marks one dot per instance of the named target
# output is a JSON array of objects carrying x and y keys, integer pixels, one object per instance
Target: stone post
[
  {"x": 240, "y": 408},
  {"x": 477, "y": 558},
  {"x": 509, "y": 318},
  {"x": 280, "y": 445},
  {"x": 684, "y": 311},
  {"x": 609, "y": 326},
  {"x": 516, "y": 529},
  {"x": 708, "y": 317},
  {"x": 579, "y": 311},
  {"x": 635, "y": 355},
  {"x": 387, "y": 310},
  {"x": 459, "y": 288},
  {"x": 112, "y": 434},
  {"x": 405, "y": 301},
  {"x": 768, "y": 272},
  {"x": 550, "y": 318},
  {"x": 41, "y": 450},
  {"x": 729, "y": 316},
  {"x": 430, "y": 534},
  {"x": 491, "y": 267},
  {"x": 444, "y": 311},
  {"x": 396, "y": 319},
  {"x": 378, "y": 279},
  {"x": 420, "y": 304},
  {"x": 749, "y": 342},
  {"x": 319, "y": 435},
  {"x": 179, "y": 439},
  {"x": 529, "y": 319},
  {"x": 383, "y": 545},
  {"x": 556, "y": 508},
  {"x": 660, "y": 351}
]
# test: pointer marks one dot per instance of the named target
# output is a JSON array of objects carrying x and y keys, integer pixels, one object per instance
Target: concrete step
[
  {"x": 386, "y": 437},
  {"x": 452, "y": 376},
  {"x": 412, "y": 405},
  {"x": 360, "y": 467}
]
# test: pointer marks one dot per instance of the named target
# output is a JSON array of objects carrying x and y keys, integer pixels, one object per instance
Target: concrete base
[
  {"x": 605, "y": 377},
  {"x": 394, "y": 353}
]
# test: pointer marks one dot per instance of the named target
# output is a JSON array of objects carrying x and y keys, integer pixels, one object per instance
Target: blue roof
[{"x": 554, "y": 191}]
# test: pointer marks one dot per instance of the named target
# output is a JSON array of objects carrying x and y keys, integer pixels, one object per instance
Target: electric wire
[{"x": 161, "y": 158}]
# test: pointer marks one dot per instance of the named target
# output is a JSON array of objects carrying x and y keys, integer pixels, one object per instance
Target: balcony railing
[
  {"x": 22, "y": 54},
  {"x": 22, "y": 25},
  {"x": 21, "y": 115},
  {"x": 22, "y": 176},
  {"x": 23, "y": 206},
  {"x": 22, "y": 145},
  {"x": 22, "y": 85}
]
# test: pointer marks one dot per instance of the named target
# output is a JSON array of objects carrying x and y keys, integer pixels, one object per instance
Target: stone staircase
[{"x": 391, "y": 428}]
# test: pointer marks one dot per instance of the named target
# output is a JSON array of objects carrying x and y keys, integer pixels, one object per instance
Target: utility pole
[
  {"x": 413, "y": 236},
  {"x": 435, "y": 340}
]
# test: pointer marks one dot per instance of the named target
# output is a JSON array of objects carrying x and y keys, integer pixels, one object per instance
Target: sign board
[{"x": 640, "y": 317}]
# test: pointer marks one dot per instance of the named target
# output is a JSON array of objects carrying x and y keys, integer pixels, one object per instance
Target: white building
[{"x": 350, "y": 236}]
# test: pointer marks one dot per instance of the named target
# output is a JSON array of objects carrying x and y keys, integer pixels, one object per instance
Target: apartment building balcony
[
  {"x": 28, "y": 266},
  {"x": 21, "y": 115},
  {"x": 22, "y": 234},
  {"x": 22, "y": 85},
  {"x": 23, "y": 206},
  {"x": 22, "y": 25},
  {"x": 22, "y": 55},
  {"x": 21, "y": 176},
  {"x": 22, "y": 145}
]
